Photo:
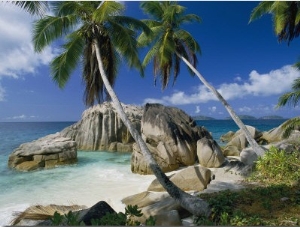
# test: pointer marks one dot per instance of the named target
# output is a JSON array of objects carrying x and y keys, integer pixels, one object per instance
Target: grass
[{"x": 271, "y": 196}]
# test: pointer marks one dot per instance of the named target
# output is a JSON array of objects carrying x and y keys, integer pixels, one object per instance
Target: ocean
[{"x": 97, "y": 175}]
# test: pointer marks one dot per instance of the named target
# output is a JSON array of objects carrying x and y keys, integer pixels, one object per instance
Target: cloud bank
[
  {"x": 17, "y": 56},
  {"x": 275, "y": 82}
]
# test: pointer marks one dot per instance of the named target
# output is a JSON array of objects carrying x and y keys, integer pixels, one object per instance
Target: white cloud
[
  {"x": 17, "y": 56},
  {"x": 275, "y": 82},
  {"x": 22, "y": 117},
  {"x": 212, "y": 109},
  {"x": 245, "y": 109},
  {"x": 198, "y": 110}
]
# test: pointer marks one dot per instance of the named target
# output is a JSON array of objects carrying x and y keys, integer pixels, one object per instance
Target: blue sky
[{"x": 243, "y": 61}]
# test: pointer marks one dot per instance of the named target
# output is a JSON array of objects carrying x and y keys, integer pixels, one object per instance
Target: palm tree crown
[
  {"x": 286, "y": 17},
  {"x": 79, "y": 23},
  {"x": 168, "y": 39}
]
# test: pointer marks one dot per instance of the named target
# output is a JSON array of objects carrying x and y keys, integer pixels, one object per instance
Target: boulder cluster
[{"x": 173, "y": 138}]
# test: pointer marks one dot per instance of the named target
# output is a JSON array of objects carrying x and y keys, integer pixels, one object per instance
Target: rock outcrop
[
  {"x": 209, "y": 153},
  {"x": 102, "y": 129},
  {"x": 171, "y": 136},
  {"x": 238, "y": 141},
  {"x": 192, "y": 178},
  {"x": 46, "y": 152}
]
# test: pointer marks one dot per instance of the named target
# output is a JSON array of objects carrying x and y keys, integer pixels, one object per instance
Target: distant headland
[{"x": 242, "y": 117}]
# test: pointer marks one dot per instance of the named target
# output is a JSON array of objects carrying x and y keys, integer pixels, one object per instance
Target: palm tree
[
  {"x": 286, "y": 17},
  {"x": 291, "y": 98},
  {"x": 98, "y": 34},
  {"x": 286, "y": 21},
  {"x": 171, "y": 44},
  {"x": 38, "y": 8}
]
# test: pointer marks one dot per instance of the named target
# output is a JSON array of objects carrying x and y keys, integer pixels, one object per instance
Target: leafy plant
[
  {"x": 112, "y": 219},
  {"x": 277, "y": 166},
  {"x": 70, "y": 219},
  {"x": 57, "y": 218}
]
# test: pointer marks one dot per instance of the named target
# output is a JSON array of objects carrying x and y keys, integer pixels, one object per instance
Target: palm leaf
[
  {"x": 291, "y": 98},
  {"x": 33, "y": 7},
  {"x": 145, "y": 40},
  {"x": 49, "y": 28},
  {"x": 290, "y": 125},
  {"x": 63, "y": 65},
  {"x": 262, "y": 8},
  {"x": 125, "y": 43},
  {"x": 152, "y": 8},
  {"x": 106, "y": 10},
  {"x": 189, "y": 18}
]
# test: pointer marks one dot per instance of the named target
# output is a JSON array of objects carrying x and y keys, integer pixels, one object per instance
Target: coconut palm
[
  {"x": 171, "y": 44},
  {"x": 291, "y": 98},
  {"x": 286, "y": 22},
  {"x": 38, "y": 8},
  {"x": 97, "y": 34},
  {"x": 286, "y": 17}
]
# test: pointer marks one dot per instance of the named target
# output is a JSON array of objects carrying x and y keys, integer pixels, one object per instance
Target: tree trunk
[
  {"x": 257, "y": 149},
  {"x": 193, "y": 204}
]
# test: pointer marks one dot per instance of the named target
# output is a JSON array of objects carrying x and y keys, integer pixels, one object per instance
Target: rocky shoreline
[{"x": 193, "y": 159}]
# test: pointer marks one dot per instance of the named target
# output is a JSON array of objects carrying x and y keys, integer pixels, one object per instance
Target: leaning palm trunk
[
  {"x": 193, "y": 204},
  {"x": 257, "y": 149}
]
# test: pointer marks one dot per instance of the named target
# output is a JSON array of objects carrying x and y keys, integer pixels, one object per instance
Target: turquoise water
[{"x": 97, "y": 175}]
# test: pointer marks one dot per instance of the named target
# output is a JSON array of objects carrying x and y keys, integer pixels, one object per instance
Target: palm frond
[
  {"x": 125, "y": 42},
  {"x": 49, "y": 28},
  {"x": 106, "y": 10},
  {"x": 153, "y": 9},
  {"x": 262, "y": 8},
  {"x": 145, "y": 40},
  {"x": 63, "y": 65},
  {"x": 289, "y": 126},
  {"x": 189, "y": 40},
  {"x": 289, "y": 98},
  {"x": 189, "y": 18},
  {"x": 132, "y": 23},
  {"x": 151, "y": 53},
  {"x": 33, "y": 7}
]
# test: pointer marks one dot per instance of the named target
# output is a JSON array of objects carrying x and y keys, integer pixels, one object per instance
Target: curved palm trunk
[
  {"x": 193, "y": 204},
  {"x": 257, "y": 149}
]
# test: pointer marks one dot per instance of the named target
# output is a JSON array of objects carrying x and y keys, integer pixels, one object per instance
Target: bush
[{"x": 277, "y": 166}]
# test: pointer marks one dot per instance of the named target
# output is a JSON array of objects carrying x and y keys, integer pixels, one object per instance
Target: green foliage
[
  {"x": 69, "y": 219},
  {"x": 150, "y": 221},
  {"x": 111, "y": 219},
  {"x": 114, "y": 219},
  {"x": 56, "y": 219},
  {"x": 277, "y": 166}
]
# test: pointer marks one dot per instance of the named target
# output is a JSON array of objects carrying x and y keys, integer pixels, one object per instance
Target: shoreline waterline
[{"x": 98, "y": 176}]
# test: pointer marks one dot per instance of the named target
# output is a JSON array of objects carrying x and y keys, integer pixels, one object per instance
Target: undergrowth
[{"x": 273, "y": 200}]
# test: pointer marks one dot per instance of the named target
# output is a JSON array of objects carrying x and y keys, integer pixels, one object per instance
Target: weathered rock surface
[
  {"x": 46, "y": 152},
  {"x": 209, "y": 153},
  {"x": 102, "y": 129},
  {"x": 153, "y": 203},
  {"x": 192, "y": 178},
  {"x": 171, "y": 136},
  {"x": 239, "y": 141},
  {"x": 97, "y": 211}
]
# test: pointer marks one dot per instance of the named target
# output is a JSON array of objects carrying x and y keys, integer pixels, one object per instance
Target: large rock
[
  {"x": 96, "y": 212},
  {"x": 192, "y": 178},
  {"x": 171, "y": 136},
  {"x": 239, "y": 141},
  {"x": 46, "y": 152},
  {"x": 209, "y": 153},
  {"x": 101, "y": 128},
  {"x": 153, "y": 204}
]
